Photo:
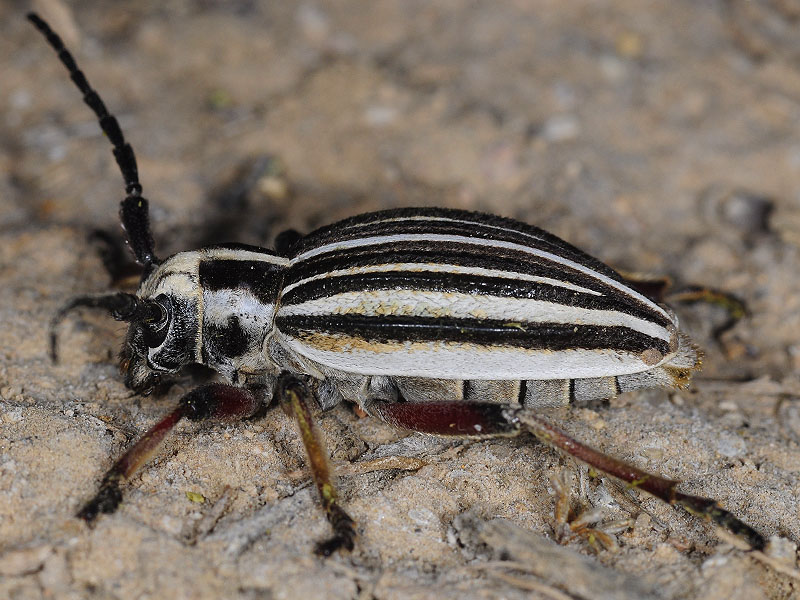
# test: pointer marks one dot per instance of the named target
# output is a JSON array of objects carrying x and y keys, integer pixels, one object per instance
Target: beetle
[{"x": 444, "y": 322}]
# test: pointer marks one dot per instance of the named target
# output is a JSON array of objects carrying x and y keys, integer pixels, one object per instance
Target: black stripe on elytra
[
  {"x": 463, "y": 254},
  {"x": 385, "y": 220},
  {"x": 477, "y": 225},
  {"x": 447, "y": 253},
  {"x": 262, "y": 279},
  {"x": 443, "y": 253},
  {"x": 426, "y": 281},
  {"x": 486, "y": 332},
  {"x": 482, "y": 232}
]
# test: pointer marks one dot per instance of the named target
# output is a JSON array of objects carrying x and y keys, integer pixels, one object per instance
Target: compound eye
[
  {"x": 156, "y": 327},
  {"x": 163, "y": 303}
]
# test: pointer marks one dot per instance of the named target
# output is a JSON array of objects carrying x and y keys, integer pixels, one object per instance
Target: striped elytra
[{"x": 451, "y": 294}]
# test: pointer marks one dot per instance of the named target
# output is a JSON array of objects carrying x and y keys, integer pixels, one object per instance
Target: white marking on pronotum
[
  {"x": 412, "y": 237},
  {"x": 221, "y": 304},
  {"x": 243, "y": 255}
]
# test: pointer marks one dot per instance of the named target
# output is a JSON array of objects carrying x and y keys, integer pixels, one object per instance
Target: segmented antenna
[
  {"x": 121, "y": 306},
  {"x": 133, "y": 209}
]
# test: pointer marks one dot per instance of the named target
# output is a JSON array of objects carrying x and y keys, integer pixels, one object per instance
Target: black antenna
[
  {"x": 121, "y": 306},
  {"x": 133, "y": 211}
]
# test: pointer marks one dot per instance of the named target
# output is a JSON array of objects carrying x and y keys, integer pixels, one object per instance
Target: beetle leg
[
  {"x": 286, "y": 241},
  {"x": 660, "y": 290},
  {"x": 659, "y": 487},
  {"x": 484, "y": 419},
  {"x": 736, "y": 308},
  {"x": 215, "y": 400},
  {"x": 293, "y": 395},
  {"x": 463, "y": 419},
  {"x": 123, "y": 271},
  {"x": 654, "y": 287}
]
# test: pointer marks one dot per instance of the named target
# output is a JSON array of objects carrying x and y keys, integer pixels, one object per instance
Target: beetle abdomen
[{"x": 451, "y": 294}]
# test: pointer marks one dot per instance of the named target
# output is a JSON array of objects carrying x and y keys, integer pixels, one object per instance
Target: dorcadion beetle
[{"x": 438, "y": 321}]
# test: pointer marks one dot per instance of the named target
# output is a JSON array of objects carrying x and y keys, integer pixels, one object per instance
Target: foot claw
[
  {"x": 330, "y": 546},
  {"x": 105, "y": 501},
  {"x": 344, "y": 533}
]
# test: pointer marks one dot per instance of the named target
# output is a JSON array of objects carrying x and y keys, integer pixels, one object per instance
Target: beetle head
[{"x": 163, "y": 332}]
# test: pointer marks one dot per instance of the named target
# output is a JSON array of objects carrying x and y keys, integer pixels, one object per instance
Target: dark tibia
[
  {"x": 293, "y": 395},
  {"x": 657, "y": 486},
  {"x": 109, "y": 496},
  {"x": 230, "y": 205},
  {"x": 216, "y": 401},
  {"x": 659, "y": 289},
  {"x": 711, "y": 510},
  {"x": 343, "y": 530}
]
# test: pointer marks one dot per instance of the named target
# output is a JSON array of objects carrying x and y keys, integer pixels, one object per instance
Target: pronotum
[{"x": 445, "y": 322}]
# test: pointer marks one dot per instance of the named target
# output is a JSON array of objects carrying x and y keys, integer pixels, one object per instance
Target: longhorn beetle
[{"x": 439, "y": 321}]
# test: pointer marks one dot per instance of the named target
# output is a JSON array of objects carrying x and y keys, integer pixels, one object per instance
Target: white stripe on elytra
[
  {"x": 409, "y": 237},
  {"x": 448, "y": 360},
  {"x": 442, "y": 268},
  {"x": 515, "y": 311},
  {"x": 452, "y": 220}
]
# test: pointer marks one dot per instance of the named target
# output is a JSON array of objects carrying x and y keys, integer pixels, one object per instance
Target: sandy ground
[{"x": 661, "y": 137}]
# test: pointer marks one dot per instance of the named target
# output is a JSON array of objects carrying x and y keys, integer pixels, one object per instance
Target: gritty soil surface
[{"x": 663, "y": 138}]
